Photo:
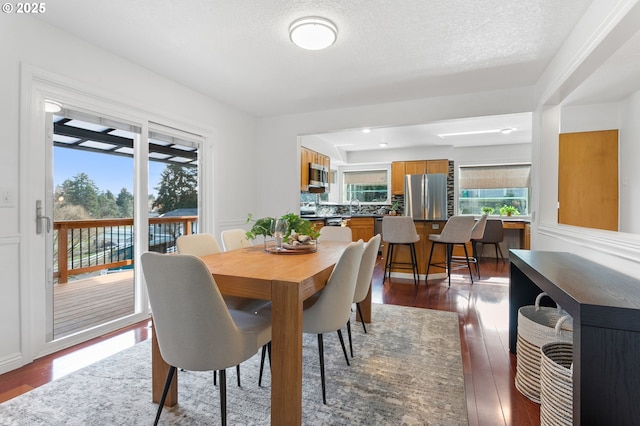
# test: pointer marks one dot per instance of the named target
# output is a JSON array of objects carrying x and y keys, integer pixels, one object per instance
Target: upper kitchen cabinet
[
  {"x": 398, "y": 171},
  {"x": 415, "y": 167},
  {"x": 438, "y": 166},
  {"x": 401, "y": 168},
  {"x": 309, "y": 157}
]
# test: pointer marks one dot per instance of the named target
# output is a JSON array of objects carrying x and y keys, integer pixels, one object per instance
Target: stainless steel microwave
[{"x": 318, "y": 176}]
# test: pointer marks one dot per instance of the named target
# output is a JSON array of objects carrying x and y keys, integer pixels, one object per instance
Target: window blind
[{"x": 490, "y": 177}]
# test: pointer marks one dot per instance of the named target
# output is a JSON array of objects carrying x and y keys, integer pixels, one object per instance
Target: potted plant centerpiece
[{"x": 299, "y": 231}]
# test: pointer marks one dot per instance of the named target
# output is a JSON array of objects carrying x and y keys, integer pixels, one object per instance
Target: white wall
[
  {"x": 605, "y": 27},
  {"x": 26, "y": 40},
  {"x": 629, "y": 170}
]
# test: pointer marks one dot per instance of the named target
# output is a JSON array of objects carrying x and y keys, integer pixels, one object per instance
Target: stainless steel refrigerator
[{"x": 425, "y": 196}]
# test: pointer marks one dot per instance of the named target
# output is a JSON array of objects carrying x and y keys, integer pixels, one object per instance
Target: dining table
[{"x": 287, "y": 280}]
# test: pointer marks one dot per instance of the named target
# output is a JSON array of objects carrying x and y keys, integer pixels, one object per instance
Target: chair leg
[
  {"x": 414, "y": 264},
  {"x": 466, "y": 256},
  {"x": 501, "y": 255},
  {"x": 321, "y": 354},
  {"x": 349, "y": 334},
  {"x": 449, "y": 255},
  {"x": 476, "y": 259},
  {"x": 426, "y": 277},
  {"x": 265, "y": 349},
  {"x": 238, "y": 373},
  {"x": 387, "y": 263},
  {"x": 344, "y": 348},
  {"x": 361, "y": 317},
  {"x": 223, "y": 396},
  {"x": 167, "y": 385}
]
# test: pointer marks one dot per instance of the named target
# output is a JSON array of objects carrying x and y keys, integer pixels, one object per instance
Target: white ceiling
[{"x": 238, "y": 52}]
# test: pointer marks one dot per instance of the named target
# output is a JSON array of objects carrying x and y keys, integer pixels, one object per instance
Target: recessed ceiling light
[
  {"x": 366, "y": 130},
  {"x": 313, "y": 33},
  {"x": 507, "y": 130},
  {"x": 473, "y": 132},
  {"x": 52, "y": 106},
  {"x": 383, "y": 144}
]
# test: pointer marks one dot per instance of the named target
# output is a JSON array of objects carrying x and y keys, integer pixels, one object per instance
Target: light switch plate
[{"x": 435, "y": 226}]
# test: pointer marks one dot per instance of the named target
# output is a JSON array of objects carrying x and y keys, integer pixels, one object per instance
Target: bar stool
[
  {"x": 476, "y": 234},
  {"x": 400, "y": 230},
  {"x": 457, "y": 231},
  {"x": 493, "y": 234}
]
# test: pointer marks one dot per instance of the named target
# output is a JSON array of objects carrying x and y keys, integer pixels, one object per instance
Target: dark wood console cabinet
[{"x": 605, "y": 306}]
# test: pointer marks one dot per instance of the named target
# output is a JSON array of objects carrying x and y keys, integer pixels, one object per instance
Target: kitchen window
[
  {"x": 494, "y": 187},
  {"x": 367, "y": 186}
]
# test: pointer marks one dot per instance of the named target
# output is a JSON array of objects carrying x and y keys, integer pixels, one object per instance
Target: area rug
[{"x": 407, "y": 370}]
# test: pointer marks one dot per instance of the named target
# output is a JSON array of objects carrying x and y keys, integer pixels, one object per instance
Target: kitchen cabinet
[
  {"x": 401, "y": 168},
  {"x": 309, "y": 156},
  {"x": 438, "y": 166},
  {"x": 361, "y": 228},
  {"x": 398, "y": 170},
  {"x": 415, "y": 167}
]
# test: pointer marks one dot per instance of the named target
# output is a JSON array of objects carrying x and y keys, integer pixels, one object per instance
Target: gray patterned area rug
[{"x": 406, "y": 371}]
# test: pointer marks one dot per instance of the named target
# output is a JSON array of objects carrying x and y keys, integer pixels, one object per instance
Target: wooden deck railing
[{"x": 82, "y": 246}]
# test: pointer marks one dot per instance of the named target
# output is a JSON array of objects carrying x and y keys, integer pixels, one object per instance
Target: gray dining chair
[
  {"x": 363, "y": 282},
  {"x": 194, "y": 328},
  {"x": 203, "y": 245},
  {"x": 332, "y": 309}
]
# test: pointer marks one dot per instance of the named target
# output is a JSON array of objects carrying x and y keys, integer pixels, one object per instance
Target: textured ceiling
[{"x": 238, "y": 51}]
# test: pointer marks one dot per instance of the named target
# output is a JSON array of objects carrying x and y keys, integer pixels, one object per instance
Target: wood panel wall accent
[{"x": 588, "y": 179}]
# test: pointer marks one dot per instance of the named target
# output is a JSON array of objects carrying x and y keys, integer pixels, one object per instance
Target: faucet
[{"x": 351, "y": 206}]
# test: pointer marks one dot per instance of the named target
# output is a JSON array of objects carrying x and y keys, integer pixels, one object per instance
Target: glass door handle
[{"x": 40, "y": 218}]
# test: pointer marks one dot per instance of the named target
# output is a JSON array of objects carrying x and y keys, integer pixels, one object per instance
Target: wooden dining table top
[{"x": 249, "y": 271}]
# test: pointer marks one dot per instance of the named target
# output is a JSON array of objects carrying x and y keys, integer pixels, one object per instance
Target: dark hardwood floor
[{"x": 489, "y": 368}]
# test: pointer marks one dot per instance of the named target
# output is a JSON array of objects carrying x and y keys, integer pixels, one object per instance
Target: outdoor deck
[{"x": 92, "y": 301}]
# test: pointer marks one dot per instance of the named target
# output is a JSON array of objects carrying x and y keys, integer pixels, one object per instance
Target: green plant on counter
[
  {"x": 487, "y": 210},
  {"x": 508, "y": 211},
  {"x": 395, "y": 206},
  {"x": 262, "y": 226}
]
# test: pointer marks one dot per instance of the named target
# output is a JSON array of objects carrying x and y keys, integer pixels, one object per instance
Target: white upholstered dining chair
[
  {"x": 233, "y": 239},
  {"x": 333, "y": 308},
  {"x": 335, "y": 233},
  {"x": 194, "y": 328},
  {"x": 205, "y": 244},
  {"x": 363, "y": 282}
]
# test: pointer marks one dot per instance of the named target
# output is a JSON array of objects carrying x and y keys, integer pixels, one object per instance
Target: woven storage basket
[
  {"x": 556, "y": 384},
  {"x": 537, "y": 325}
]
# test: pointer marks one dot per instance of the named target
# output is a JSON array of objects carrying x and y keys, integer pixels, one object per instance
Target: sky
[{"x": 108, "y": 172}]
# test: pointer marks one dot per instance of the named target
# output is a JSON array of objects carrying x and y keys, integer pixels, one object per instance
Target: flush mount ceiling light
[
  {"x": 366, "y": 130},
  {"x": 505, "y": 131},
  {"x": 313, "y": 33},
  {"x": 52, "y": 106}
]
